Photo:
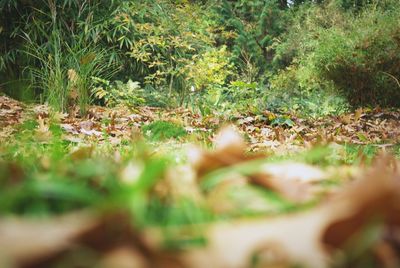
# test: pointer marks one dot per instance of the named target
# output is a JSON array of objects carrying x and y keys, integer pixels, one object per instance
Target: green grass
[
  {"x": 46, "y": 178},
  {"x": 163, "y": 130}
]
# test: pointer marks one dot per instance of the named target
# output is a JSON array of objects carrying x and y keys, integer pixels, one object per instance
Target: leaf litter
[{"x": 330, "y": 227}]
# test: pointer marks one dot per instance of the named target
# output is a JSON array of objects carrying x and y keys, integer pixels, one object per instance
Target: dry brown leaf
[
  {"x": 293, "y": 181},
  {"x": 86, "y": 125},
  {"x": 377, "y": 194},
  {"x": 307, "y": 238},
  {"x": 386, "y": 255},
  {"x": 123, "y": 257},
  {"x": 179, "y": 182},
  {"x": 233, "y": 195},
  {"x": 358, "y": 114},
  {"x": 48, "y": 242},
  {"x": 81, "y": 152},
  {"x": 131, "y": 173},
  {"x": 42, "y": 133},
  {"x": 24, "y": 242},
  {"x": 291, "y": 171},
  {"x": 234, "y": 244},
  {"x": 230, "y": 149}
]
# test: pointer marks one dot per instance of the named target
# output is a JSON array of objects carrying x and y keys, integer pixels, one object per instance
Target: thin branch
[{"x": 392, "y": 76}]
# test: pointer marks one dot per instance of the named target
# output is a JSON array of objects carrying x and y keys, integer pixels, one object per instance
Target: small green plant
[
  {"x": 118, "y": 93},
  {"x": 85, "y": 62},
  {"x": 282, "y": 121},
  {"x": 62, "y": 67},
  {"x": 313, "y": 103},
  {"x": 163, "y": 130},
  {"x": 210, "y": 69},
  {"x": 49, "y": 75},
  {"x": 236, "y": 97},
  {"x": 244, "y": 96}
]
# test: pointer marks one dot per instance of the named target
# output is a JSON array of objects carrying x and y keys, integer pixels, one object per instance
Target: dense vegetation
[
  {"x": 212, "y": 133},
  {"x": 257, "y": 55}
]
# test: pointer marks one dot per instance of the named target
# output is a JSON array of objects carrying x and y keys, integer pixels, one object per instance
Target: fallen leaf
[
  {"x": 81, "y": 152},
  {"x": 358, "y": 114},
  {"x": 230, "y": 149},
  {"x": 293, "y": 181},
  {"x": 123, "y": 257},
  {"x": 310, "y": 238},
  {"x": 24, "y": 242},
  {"x": 345, "y": 119},
  {"x": 42, "y": 133},
  {"x": 130, "y": 174}
]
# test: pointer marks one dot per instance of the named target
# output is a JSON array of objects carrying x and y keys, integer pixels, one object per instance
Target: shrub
[
  {"x": 313, "y": 103},
  {"x": 363, "y": 60},
  {"x": 62, "y": 72},
  {"x": 210, "y": 69},
  {"x": 244, "y": 97},
  {"x": 118, "y": 93},
  {"x": 249, "y": 29},
  {"x": 52, "y": 49},
  {"x": 294, "y": 90},
  {"x": 357, "y": 54},
  {"x": 148, "y": 41}
]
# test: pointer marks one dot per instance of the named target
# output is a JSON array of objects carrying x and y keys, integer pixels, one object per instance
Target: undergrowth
[{"x": 163, "y": 130}]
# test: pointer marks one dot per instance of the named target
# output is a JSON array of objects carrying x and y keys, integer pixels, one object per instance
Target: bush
[
  {"x": 210, "y": 69},
  {"x": 62, "y": 73},
  {"x": 313, "y": 103},
  {"x": 147, "y": 41},
  {"x": 357, "y": 54},
  {"x": 54, "y": 49},
  {"x": 294, "y": 90},
  {"x": 249, "y": 29},
  {"x": 118, "y": 93},
  {"x": 243, "y": 97}
]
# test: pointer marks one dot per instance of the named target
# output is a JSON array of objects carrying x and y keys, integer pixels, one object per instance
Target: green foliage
[
  {"x": 45, "y": 178},
  {"x": 249, "y": 28},
  {"x": 241, "y": 95},
  {"x": 354, "y": 53},
  {"x": 63, "y": 74},
  {"x": 314, "y": 104},
  {"x": 237, "y": 97},
  {"x": 49, "y": 76},
  {"x": 282, "y": 121},
  {"x": 37, "y": 19},
  {"x": 166, "y": 37},
  {"x": 85, "y": 61},
  {"x": 146, "y": 41},
  {"x": 56, "y": 55},
  {"x": 211, "y": 69},
  {"x": 291, "y": 91},
  {"x": 163, "y": 130},
  {"x": 118, "y": 93},
  {"x": 226, "y": 55},
  {"x": 354, "y": 4}
]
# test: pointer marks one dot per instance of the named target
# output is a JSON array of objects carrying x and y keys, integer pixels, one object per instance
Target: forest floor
[
  {"x": 268, "y": 132},
  {"x": 110, "y": 189}
]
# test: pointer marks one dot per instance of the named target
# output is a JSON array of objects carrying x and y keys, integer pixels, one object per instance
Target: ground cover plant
[{"x": 199, "y": 133}]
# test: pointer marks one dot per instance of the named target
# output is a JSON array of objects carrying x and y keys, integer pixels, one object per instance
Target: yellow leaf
[
  {"x": 358, "y": 114},
  {"x": 88, "y": 58}
]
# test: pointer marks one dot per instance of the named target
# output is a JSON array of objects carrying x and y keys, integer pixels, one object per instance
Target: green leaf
[{"x": 282, "y": 121}]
